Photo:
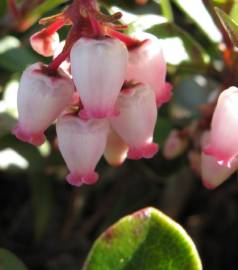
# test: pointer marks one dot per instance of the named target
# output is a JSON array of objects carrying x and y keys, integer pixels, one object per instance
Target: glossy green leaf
[
  {"x": 230, "y": 26},
  {"x": 9, "y": 261},
  {"x": 187, "y": 49},
  {"x": 146, "y": 240}
]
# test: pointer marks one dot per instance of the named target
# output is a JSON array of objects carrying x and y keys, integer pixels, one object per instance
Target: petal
[
  {"x": 45, "y": 44},
  {"x": 116, "y": 149},
  {"x": 98, "y": 69},
  {"x": 82, "y": 144},
  {"x": 214, "y": 174},
  {"x": 146, "y": 64},
  {"x": 40, "y": 100},
  {"x": 223, "y": 144},
  {"x": 136, "y": 121}
]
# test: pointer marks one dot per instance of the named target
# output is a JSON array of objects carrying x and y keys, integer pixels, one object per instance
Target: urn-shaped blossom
[
  {"x": 214, "y": 174},
  {"x": 45, "y": 43},
  {"x": 136, "y": 122},
  {"x": 146, "y": 64},
  {"x": 40, "y": 100},
  {"x": 98, "y": 68},
  {"x": 82, "y": 143},
  {"x": 116, "y": 149},
  {"x": 223, "y": 144}
]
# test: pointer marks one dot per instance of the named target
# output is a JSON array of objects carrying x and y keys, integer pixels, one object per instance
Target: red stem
[
  {"x": 95, "y": 26},
  {"x": 130, "y": 42},
  {"x": 54, "y": 65},
  {"x": 55, "y": 26},
  {"x": 71, "y": 38},
  {"x": 14, "y": 9}
]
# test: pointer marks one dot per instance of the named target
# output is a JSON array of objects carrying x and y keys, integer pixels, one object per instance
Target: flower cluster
[{"x": 103, "y": 90}]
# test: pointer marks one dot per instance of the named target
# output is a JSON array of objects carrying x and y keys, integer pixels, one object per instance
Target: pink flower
[
  {"x": 214, "y": 174},
  {"x": 40, "y": 100},
  {"x": 174, "y": 145},
  {"x": 43, "y": 43},
  {"x": 116, "y": 149},
  {"x": 136, "y": 121},
  {"x": 223, "y": 144},
  {"x": 82, "y": 143},
  {"x": 98, "y": 67},
  {"x": 147, "y": 64}
]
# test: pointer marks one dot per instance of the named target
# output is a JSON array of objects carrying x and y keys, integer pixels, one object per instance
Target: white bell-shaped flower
[
  {"x": 136, "y": 122},
  {"x": 40, "y": 100},
  {"x": 82, "y": 143},
  {"x": 223, "y": 144},
  {"x": 98, "y": 68},
  {"x": 146, "y": 64}
]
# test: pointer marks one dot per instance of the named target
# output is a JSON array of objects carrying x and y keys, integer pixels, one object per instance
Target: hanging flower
[
  {"x": 136, "y": 121},
  {"x": 146, "y": 64},
  {"x": 40, "y": 100},
  {"x": 98, "y": 68},
  {"x": 82, "y": 143},
  {"x": 223, "y": 144}
]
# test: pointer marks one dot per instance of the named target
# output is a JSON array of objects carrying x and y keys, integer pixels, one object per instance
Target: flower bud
[
  {"x": 98, "y": 68},
  {"x": 82, "y": 143},
  {"x": 223, "y": 144},
  {"x": 43, "y": 43},
  {"x": 136, "y": 122},
  {"x": 40, "y": 100},
  {"x": 116, "y": 149},
  {"x": 146, "y": 64},
  {"x": 174, "y": 145},
  {"x": 214, "y": 174}
]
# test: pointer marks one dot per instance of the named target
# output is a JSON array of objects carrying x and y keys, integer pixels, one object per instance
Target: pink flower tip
[
  {"x": 98, "y": 114},
  {"x": 222, "y": 159},
  {"x": 208, "y": 185},
  {"x": 35, "y": 139},
  {"x": 164, "y": 95},
  {"x": 78, "y": 180},
  {"x": 147, "y": 151}
]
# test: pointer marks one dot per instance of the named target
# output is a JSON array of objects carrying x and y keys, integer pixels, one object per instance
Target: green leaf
[
  {"x": 229, "y": 24},
  {"x": 166, "y": 9},
  {"x": 3, "y": 7},
  {"x": 9, "y": 261},
  {"x": 13, "y": 56},
  {"x": 196, "y": 10},
  {"x": 146, "y": 240},
  {"x": 43, "y": 8},
  {"x": 187, "y": 49}
]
